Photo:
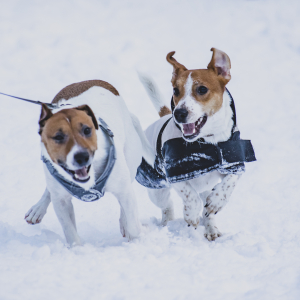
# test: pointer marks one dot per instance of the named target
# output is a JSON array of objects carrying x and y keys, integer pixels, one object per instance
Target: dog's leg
[
  {"x": 211, "y": 230},
  {"x": 37, "y": 211},
  {"x": 191, "y": 201},
  {"x": 161, "y": 198},
  {"x": 120, "y": 185},
  {"x": 214, "y": 202},
  {"x": 220, "y": 194},
  {"x": 130, "y": 225},
  {"x": 64, "y": 210}
]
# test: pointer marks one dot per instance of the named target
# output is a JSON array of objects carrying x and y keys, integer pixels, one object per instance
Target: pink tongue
[
  {"x": 82, "y": 172},
  {"x": 188, "y": 128}
]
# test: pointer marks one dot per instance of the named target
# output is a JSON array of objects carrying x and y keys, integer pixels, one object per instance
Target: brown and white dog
[
  {"x": 202, "y": 110},
  {"x": 78, "y": 150}
]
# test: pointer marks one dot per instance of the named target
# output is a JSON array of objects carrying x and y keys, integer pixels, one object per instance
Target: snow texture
[{"x": 46, "y": 45}]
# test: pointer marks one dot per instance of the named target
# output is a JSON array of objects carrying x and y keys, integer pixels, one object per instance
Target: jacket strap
[{"x": 159, "y": 141}]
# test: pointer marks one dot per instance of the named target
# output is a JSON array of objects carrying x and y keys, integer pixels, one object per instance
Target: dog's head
[
  {"x": 70, "y": 139},
  {"x": 198, "y": 94}
]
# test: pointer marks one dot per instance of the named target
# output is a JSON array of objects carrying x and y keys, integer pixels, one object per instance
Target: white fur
[
  {"x": 218, "y": 125},
  {"x": 148, "y": 152},
  {"x": 129, "y": 148},
  {"x": 152, "y": 91},
  {"x": 214, "y": 189},
  {"x": 190, "y": 103}
]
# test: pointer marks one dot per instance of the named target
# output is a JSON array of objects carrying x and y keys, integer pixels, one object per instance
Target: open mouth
[
  {"x": 192, "y": 130},
  {"x": 80, "y": 175}
]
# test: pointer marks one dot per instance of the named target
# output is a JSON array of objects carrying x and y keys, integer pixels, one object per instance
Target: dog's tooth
[{"x": 194, "y": 130}]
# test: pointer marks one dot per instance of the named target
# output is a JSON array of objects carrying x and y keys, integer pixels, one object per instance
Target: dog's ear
[
  {"x": 177, "y": 67},
  {"x": 90, "y": 113},
  {"x": 220, "y": 64},
  {"x": 45, "y": 115}
]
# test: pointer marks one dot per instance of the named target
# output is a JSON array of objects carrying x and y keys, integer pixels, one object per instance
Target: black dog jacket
[{"x": 177, "y": 160}]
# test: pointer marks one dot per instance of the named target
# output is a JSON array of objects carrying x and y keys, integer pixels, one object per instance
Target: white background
[{"x": 46, "y": 45}]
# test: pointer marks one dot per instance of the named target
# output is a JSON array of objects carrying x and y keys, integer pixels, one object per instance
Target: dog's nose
[
  {"x": 180, "y": 115},
  {"x": 81, "y": 158}
]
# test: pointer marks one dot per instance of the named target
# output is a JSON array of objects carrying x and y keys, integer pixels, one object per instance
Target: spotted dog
[{"x": 198, "y": 148}]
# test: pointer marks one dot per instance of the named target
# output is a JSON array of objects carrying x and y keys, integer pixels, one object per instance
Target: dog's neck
[{"x": 218, "y": 127}]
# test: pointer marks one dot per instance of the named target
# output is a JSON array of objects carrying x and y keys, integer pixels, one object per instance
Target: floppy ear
[
  {"x": 177, "y": 67},
  {"x": 45, "y": 115},
  {"x": 90, "y": 113},
  {"x": 220, "y": 64}
]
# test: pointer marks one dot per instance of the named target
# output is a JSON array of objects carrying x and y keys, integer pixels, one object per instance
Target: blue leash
[{"x": 49, "y": 105}]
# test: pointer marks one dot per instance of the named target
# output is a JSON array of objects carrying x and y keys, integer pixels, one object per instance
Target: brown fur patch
[
  {"x": 70, "y": 123},
  {"x": 177, "y": 67},
  {"x": 75, "y": 89},
  {"x": 211, "y": 78},
  {"x": 211, "y": 102},
  {"x": 164, "y": 111}
]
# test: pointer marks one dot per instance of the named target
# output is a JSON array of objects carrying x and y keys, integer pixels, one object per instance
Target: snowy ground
[{"x": 48, "y": 45}]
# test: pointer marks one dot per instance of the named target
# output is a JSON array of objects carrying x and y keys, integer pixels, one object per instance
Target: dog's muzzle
[{"x": 192, "y": 130}]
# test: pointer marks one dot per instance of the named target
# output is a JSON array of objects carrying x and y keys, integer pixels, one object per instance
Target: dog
[
  {"x": 78, "y": 151},
  {"x": 203, "y": 116}
]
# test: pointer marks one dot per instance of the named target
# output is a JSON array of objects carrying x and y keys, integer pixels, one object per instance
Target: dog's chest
[{"x": 206, "y": 182}]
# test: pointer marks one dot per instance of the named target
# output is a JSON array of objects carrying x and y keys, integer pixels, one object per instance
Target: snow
[{"x": 48, "y": 45}]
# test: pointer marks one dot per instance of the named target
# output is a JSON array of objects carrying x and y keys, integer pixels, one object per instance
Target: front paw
[
  {"x": 214, "y": 203},
  {"x": 132, "y": 234},
  {"x": 212, "y": 232},
  {"x": 35, "y": 214}
]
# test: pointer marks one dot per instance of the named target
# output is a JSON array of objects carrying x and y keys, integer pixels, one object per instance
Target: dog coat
[
  {"x": 98, "y": 190},
  {"x": 177, "y": 160}
]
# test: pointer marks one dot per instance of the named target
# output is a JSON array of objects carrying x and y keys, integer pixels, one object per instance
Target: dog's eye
[
  {"x": 175, "y": 92},
  {"x": 202, "y": 90},
  {"x": 59, "y": 137},
  {"x": 87, "y": 131}
]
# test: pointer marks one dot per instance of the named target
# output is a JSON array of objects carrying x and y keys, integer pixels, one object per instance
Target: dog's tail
[
  {"x": 155, "y": 95},
  {"x": 148, "y": 152}
]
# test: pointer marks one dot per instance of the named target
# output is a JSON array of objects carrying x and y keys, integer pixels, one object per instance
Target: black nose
[
  {"x": 81, "y": 158},
  {"x": 180, "y": 115}
]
